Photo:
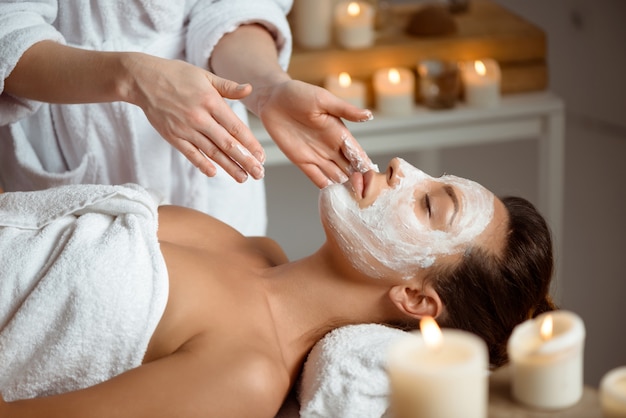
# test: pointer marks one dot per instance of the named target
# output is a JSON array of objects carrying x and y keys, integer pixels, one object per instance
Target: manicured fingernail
[
  {"x": 260, "y": 156},
  {"x": 258, "y": 172},
  {"x": 368, "y": 116},
  {"x": 242, "y": 177}
]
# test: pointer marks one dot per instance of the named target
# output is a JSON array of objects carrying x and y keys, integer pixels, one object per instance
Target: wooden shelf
[{"x": 486, "y": 30}]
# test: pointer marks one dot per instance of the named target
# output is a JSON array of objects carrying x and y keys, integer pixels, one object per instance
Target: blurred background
[{"x": 586, "y": 44}]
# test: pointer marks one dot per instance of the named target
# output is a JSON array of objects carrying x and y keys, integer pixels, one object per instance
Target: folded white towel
[
  {"x": 345, "y": 374},
  {"x": 83, "y": 285}
]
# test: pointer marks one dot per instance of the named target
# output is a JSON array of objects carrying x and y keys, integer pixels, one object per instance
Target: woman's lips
[{"x": 360, "y": 182}]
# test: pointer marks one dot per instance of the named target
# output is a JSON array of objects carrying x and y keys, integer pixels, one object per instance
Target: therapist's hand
[
  {"x": 305, "y": 122},
  {"x": 185, "y": 104}
]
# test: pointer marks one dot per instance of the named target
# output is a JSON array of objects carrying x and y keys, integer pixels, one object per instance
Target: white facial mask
[{"x": 389, "y": 234}]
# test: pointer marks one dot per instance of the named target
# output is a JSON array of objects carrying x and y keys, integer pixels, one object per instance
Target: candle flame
[
  {"x": 345, "y": 80},
  {"x": 354, "y": 9},
  {"x": 546, "y": 328},
  {"x": 394, "y": 76},
  {"x": 430, "y": 332},
  {"x": 480, "y": 67}
]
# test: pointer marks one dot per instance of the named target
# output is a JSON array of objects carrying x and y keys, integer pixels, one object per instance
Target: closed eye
[{"x": 427, "y": 204}]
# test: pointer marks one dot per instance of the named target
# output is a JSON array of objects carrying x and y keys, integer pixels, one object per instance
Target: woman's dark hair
[{"x": 489, "y": 294}]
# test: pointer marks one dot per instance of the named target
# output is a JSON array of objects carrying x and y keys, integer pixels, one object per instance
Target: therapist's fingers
[
  {"x": 228, "y": 88},
  {"x": 317, "y": 176},
  {"x": 195, "y": 156},
  {"x": 356, "y": 155},
  {"x": 351, "y": 149},
  {"x": 344, "y": 110},
  {"x": 326, "y": 172},
  {"x": 217, "y": 144},
  {"x": 234, "y": 126},
  {"x": 233, "y": 145}
]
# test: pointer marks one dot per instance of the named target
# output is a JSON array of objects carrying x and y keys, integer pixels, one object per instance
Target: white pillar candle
[
  {"x": 613, "y": 393},
  {"x": 394, "y": 90},
  {"x": 354, "y": 24},
  {"x": 313, "y": 23},
  {"x": 546, "y": 356},
  {"x": 438, "y": 374},
  {"x": 481, "y": 83},
  {"x": 344, "y": 87}
]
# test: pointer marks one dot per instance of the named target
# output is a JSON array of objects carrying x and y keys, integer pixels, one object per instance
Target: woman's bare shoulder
[{"x": 187, "y": 226}]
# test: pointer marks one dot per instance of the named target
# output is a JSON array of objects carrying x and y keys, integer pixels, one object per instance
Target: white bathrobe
[{"x": 45, "y": 145}]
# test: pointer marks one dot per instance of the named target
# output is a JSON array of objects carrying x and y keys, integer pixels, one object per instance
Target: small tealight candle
[
  {"x": 344, "y": 87},
  {"x": 613, "y": 393},
  {"x": 394, "y": 91},
  {"x": 438, "y": 374},
  {"x": 546, "y": 356},
  {"x": 354, "y": 24},
  {"x": 481, "y": 83}
]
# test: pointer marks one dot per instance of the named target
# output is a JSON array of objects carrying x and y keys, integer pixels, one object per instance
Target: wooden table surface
[{"x": 502, "y": 405}]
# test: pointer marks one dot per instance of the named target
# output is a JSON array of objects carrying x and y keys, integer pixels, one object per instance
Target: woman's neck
[{"x": 314, "y": 295}]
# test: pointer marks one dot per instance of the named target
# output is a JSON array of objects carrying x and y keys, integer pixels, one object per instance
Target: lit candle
[
  {"x": 613, "y": 393},
  {"x": 354, "y": 24},
  {"x": 481, "y": 83},
  {"x": 546, "y": 356},
  {"x": 438, "y": 374},
  {"x": 312, "y": 23},
  {"x": 394, "y": 91},
  {"x": 344, "y": 87}
]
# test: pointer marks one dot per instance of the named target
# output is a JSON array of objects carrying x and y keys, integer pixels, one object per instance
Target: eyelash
[{"x": 427, "y": 204}]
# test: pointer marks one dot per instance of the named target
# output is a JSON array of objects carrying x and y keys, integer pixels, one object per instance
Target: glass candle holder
[{"x": 439, "y": 83}]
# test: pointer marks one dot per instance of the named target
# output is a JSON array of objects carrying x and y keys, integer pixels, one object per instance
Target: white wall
[{"x": 587, "y": 60}]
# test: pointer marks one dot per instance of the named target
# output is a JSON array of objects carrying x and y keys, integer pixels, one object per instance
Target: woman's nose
[{"x": 393, "y": 171}]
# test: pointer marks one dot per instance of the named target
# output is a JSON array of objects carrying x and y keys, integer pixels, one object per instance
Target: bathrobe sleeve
[
  {"x": 210, "y": 20},
  {"x": 22, "y": 24}
]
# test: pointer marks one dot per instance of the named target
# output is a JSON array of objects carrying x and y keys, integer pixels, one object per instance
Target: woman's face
[{"x": 402, "y": 220}]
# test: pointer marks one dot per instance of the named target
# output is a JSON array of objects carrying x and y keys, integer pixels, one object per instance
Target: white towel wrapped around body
[
  {"x": 83, "y": 285},
  {"x": 345, "y": 374}
]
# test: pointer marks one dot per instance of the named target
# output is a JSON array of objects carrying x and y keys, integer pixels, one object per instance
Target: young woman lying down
[{"x": 113, "y": 306}]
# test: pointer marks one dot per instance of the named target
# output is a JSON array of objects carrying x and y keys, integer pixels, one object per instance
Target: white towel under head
[
  {"x": 83, "y": 285},
  {"x": 345, "y": 374}
]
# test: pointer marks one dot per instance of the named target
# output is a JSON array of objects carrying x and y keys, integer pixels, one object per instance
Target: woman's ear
[{"x": 416, "y": 302}]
